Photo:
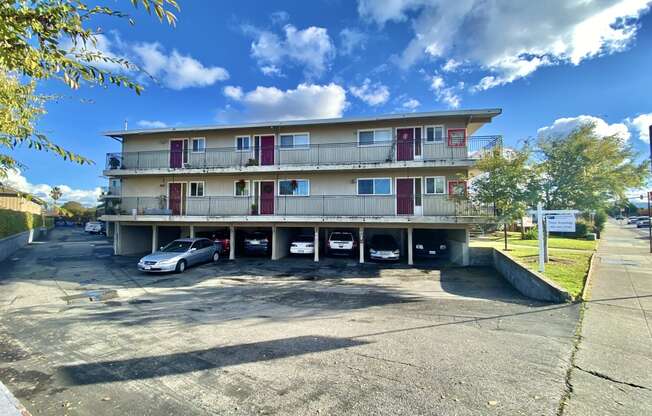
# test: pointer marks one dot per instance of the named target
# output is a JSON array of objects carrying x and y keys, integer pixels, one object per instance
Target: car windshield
[
  {"x": 177, "y": 247},
  {"x": 383, "y": 242},
  {"x": 341, "y": 237},
  {"x": 257, "y": 236},
  {"x": 304, "y": 239}
]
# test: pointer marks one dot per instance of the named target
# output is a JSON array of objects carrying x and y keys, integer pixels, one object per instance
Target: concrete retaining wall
[
  {"x": 529, "y": 283},
  {"x": 458, "y": 246},
  {"x": 481, "y": 256},
  {"x": 10, "y": 245}
]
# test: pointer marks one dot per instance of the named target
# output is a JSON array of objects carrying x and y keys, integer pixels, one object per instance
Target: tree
[
  {"x": 50, "y": 39},
  {"x": 587, "y": 172},
  {"x": 506, "y": 181},
  {"x": 78, "y": 211},
  {"x": 56, "y": 194}
]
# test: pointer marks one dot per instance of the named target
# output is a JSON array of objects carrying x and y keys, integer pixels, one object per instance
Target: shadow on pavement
[{"x": 186, "y": 362}]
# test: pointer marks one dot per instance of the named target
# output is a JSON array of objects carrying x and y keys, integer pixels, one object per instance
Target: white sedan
[{"x": 304, "y": 244}]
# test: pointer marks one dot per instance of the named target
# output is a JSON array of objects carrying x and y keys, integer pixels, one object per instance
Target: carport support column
[
  {"x": 410, "y": 254},
  {"x": 192, "y": 231},
  {"x": 316, "y": 244},
  {"x": 116, "y": 240},
  {"x": 154, "y": 238},
  {"x": 232, "y": 243},
  {"x": 361, "y": 240},
  {"x": 274, "y": 242}
]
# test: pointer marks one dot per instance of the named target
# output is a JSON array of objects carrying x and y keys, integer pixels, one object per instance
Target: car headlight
[
  {"x": 442, "y": 247},
  {"x": 396, "y": 252},
  {"x": 419, "y": 246}
]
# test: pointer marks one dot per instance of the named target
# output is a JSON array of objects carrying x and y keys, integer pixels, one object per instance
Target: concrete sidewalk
[{"x": 612, "y": 367}]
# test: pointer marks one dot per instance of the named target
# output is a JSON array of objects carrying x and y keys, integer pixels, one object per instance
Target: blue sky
[{"x": 544, "y": 65}]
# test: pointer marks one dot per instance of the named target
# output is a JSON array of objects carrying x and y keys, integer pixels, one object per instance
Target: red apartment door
[
  {"x": 267, "y": 198},
  {"x": 405, "y": 144},
  {"x": 176, "y": 153},
  {"x": 175, "y": 198},
  {"x": 266, "y": 150},
  {"x": 405, "y": 196}
]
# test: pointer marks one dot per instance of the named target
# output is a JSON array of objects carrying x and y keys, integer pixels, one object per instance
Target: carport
[
  {"x": 240, "y": 233},
  {"x": 132, "y": 239},
  {"x": 399, "y": 235},
  {"x": 325, "y": 232}
]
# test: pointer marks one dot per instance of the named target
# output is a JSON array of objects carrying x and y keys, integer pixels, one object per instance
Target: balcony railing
[
  {"x": 302, "y": 206},
  {"x": 311, "y": 155}
]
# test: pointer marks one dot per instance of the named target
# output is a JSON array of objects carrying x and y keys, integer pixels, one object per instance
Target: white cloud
[
  {"x": 177, "y": 71},
  {"x": 372, "y": 94},
  {"x": 641, "y": 124},
  {"x": 311, "y": 47},
  {"x": 565, "y": 125},
  {"x": 307, "y": 101},
  {"x": 411, "y": 104},
  {"x": 232, "y": 92},
  {"x": 451, "y": 65},
  {"x": 491, "y": 34},
  {"x": 444, "y": 93},
  {"x": 152, "y": 124},
  {"x": 87, "y": 197},
  {"x": 271, "y": 70},
  {"x": 103, "y": 45},
  {"x": 352, "y": 39}
]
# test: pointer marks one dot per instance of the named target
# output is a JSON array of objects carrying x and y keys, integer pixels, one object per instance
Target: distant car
[
  {"x": 430, "y": 244},
  {"x": 257, "y": 243},
  {"x": 620, "y": 217},
  {"x": 180, "y": 254},
  {"x": 341, "y": 243},
  {"x": 384, "y": 247},
  {"x": 303, "y": 244},
  {"x": 643, "y": 223},
  {"x": 93, "y": 227},
  {"x": 632, "y": 220}
]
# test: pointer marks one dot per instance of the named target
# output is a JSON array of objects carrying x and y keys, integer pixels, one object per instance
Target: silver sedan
[{"x": 180, "y": 254}]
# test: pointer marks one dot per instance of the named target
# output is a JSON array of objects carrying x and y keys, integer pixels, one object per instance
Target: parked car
[
  {"x": 303, "y": 244},
  {"x": 645, "y": 223},
  {"x": 180, "y": 254},
  {"x": 93, "y": 227},
  {"x": 257, "y": 243},
  {"x": 384, "y": 247},
  {"x": 102, "y": 228},
  {"x": 632, "y": 220},
  {"x": 221, "y": 237},
  {"x": 429, "y": 244},
  {"x": 341, "y": 243}
]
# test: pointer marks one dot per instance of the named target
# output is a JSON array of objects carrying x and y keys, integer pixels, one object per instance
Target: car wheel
[
  {"x": 181, "y": 266},
  {"x": 216, "y": 257}
]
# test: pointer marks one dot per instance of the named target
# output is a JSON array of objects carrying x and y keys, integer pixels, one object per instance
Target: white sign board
[{"x": 561, "y": 223}]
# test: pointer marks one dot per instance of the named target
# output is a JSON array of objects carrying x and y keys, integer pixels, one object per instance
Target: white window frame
[
  {"x": 247, "y": 188},
  {"x": 434, "y": 140},
  {"x": 248, "y": 149},
  {"x": 425, "y": 185},
  {"x": 203, "y": 189},
  {"x": 192, "y": 146},
  {"x": 278, "y": 186},
  {"x": 383, "y": 143},
  {"x": 302, "y": 147},
  {"x": 391, "y": 186}
]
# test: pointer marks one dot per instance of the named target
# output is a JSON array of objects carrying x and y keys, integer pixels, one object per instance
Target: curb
[
  {"x": 584, "y": 297},
  {"x": 9, "y": 405}
]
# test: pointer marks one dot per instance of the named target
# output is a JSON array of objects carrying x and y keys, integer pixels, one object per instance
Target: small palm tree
[{"x": 56, "y": 194}]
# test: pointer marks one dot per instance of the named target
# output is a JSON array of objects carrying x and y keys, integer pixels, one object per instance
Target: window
[
  {"x": 198, "y": 145},
  {"x": 457, "y": 188},
  {"x": 243, "y": 143},
  {"x": 196, "y": 188},
  {"x": 295, "y": 141},
  {"x": 294, "y": 187},
  {"x": 434, "y": 134},
  {"x": 377, "y": 186},
  {"x": 435, "y": 185},
  {"x": 372, "y": 137},
  {"x": 241, "y": 188},
  {"x": 457, "y": 137}
]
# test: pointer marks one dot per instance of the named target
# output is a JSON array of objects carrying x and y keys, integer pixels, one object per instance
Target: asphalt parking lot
[{"x": 260, "y": 337}]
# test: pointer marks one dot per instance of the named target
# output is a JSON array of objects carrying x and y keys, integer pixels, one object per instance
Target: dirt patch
[
  {"x": 11, "y": 351},
  {"x": 25, "y": 384}
]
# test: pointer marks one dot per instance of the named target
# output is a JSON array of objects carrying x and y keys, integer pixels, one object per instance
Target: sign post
[
  {"x": 649, "y": 220},
  {"x": 542, "y": 264},
  {"x": 561, "y": 221}
]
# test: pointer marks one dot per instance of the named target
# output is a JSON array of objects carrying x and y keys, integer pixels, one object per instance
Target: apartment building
[{"x": 390, "y": 174}]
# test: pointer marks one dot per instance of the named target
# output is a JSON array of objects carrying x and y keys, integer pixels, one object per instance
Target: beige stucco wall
[
  {"x": 321, "y": 183},
  {"x": 329, "y": 133}
]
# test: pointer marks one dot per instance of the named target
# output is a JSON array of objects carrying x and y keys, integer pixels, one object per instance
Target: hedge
[{"x": 14, "y": 222}]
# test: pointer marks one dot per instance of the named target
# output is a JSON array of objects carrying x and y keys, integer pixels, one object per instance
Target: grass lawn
[{"x": 569, "y": 257}]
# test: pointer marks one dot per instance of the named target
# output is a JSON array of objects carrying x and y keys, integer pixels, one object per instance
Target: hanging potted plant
[
  {"x": 241, "y": 186},
  {"x": 294, "y": 184},
  {"x": 254, "y": 209},
  {"x": 114, "y": 162}
]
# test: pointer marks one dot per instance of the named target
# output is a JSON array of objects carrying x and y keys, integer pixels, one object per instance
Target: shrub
[
  {"x": 14, "y": 222},
  {"x": 531, "y": 234},
  {"x": 600, "y": 220},
  {"x": 581, "y": 228}
]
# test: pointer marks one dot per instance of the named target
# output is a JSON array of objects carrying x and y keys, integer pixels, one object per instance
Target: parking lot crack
[
  {"x": 387, "y": 360},
  {"x": 609, "y": 378}
]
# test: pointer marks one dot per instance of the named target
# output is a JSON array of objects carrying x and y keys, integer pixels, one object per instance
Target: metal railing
[
  {"x": 311, "y": 155},
  {"x": 303, "y": 206}
]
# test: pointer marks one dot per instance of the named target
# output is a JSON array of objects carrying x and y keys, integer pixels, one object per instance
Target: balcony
[
  {"x": 328, "y": 155},
  {"x": 303, "y": 207},
  {"x": 109, "y": 192}
]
